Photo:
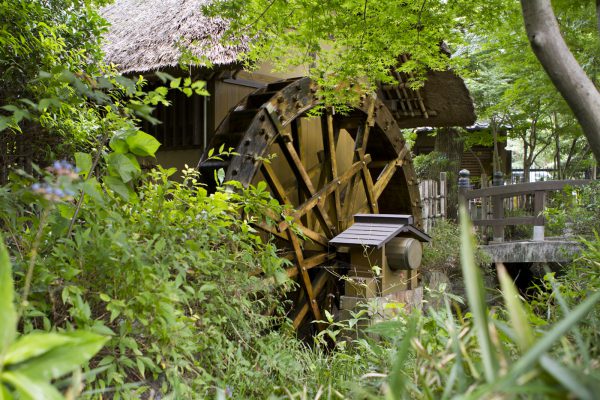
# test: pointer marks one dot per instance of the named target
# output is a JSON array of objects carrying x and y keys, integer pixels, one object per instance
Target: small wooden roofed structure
[{"x": 378, "y": 229}]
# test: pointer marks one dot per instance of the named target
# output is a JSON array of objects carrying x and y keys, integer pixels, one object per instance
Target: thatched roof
[{"x": 148, "y": 35}]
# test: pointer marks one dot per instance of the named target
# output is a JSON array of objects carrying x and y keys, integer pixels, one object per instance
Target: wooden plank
[
  {"x": 539, "y": 203},
  {"x": 530, "y": 220},
  {"x": 299, "y": 145},
  {"x": 368, "y": 185},
  {"x": 274, "y": 183},
  {"x": 387, "y": 174},
  {"x": 314, "y": 236}
]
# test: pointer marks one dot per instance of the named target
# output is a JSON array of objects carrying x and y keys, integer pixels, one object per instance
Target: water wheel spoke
[
  {"x": 319, "y": 284},
  {"x": 311, "y": 262},
  {"x": 305, "y": 278},
  {"x": 326, "y": 190},
  {"x": 275, "y": 184},
  {"x": 306, "y": 184}
]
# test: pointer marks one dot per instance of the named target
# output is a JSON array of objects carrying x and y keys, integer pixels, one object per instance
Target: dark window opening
[{"x": 183, "y": 123}]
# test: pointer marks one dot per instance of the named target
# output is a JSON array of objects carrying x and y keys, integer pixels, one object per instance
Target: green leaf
[
  {"x": 566, "y": 377},
  {"x": 33, "y": 345},
  {"x": 142, "y": 144},
  {"x": 91, "y": 187},
  {"x": 4, "y": 393},
  {"x": 541, "y": 346},
  {"x": 80, "y": 348},
  {"x": 123, "y": 166},
  {"x": 175, "y": 83},
  {"x": 31, "y": 389},
  {"x": 8, "y": 314},
  {"x": 164, "y": 77},
  {"x": 83, "y": 161},
  {"x": 476, "y": 297},
  {"x": 116, "y": 185},
  {"x": 516, "y": 312},
  {"x": 118, "y": 142}
]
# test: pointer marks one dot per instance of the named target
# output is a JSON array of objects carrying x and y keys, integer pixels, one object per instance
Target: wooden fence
[{"x": 433, "y": 200}]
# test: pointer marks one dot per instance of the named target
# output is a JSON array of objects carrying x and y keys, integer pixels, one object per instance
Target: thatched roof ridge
[{"x": 148, "y": 35}]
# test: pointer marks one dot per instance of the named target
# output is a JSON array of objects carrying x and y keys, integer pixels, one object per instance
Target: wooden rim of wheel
[{"x": 378, "y": 172}]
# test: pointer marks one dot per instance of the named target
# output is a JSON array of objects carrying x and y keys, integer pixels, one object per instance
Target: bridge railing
[{"x": 487, "y": 206}]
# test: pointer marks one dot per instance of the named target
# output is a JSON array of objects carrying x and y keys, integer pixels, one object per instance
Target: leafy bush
[
  {"x": 30, "y": 362},
  {"x": 575, "y": 211},
  {"x": 443, "y": 252},
  {"x": 429, "y": 166},
  {"x": 169, "y": 274}
]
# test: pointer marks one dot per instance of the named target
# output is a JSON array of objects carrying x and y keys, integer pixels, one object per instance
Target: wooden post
[
  {"x": 464, "y": 185},
  {"x": 538, "y": 209},
  {"x": 498, "y": 209}
]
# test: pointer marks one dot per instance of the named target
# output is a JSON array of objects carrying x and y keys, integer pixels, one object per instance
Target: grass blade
[
  {"x": 397, "y": 380},
  {"x": 566, "y": 377},
  {"x": 476, "y": 297},
  {"x": 516, "y": 311}
]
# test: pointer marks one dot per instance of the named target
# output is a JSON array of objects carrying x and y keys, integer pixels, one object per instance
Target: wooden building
[
  {"x": 150, "y": 35},
  {"x": 477, "y": 158}
]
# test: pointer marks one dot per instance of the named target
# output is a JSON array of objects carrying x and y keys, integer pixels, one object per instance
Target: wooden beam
[
  {"x": 319, "y": 284},
  {"x": 306, "y": 283},
  {"x": 274, "y": 183},
  {"x": 311, "y": 262},
  {"x": 327, "y": 190},
  {"x": 524, "y": 188}
]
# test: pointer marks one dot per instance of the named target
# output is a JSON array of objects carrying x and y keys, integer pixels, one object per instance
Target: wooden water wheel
[{"x": 328, "y": 168}]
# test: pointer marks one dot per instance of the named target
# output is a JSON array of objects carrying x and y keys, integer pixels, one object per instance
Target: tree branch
[{"x": 563, "y": 69}]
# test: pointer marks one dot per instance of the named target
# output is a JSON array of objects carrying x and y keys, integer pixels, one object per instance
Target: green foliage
[
  {"x": 429, "y": 166},
  {"x": 443, "y": 253},
  {"x": 575, "y": 211},
  {"x": 29, "y": 363},
  {"x": 349, "y": 44}
]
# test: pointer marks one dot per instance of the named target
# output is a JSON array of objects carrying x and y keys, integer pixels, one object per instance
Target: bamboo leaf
[
  {"x": 566, "y": 377},
  {"x": 516, "y": 311},
  {"x": 397, "y": 379},
  {"x": 476, "y": 297}
]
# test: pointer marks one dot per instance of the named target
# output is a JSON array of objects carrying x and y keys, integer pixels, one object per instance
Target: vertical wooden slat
[
  {"x": 329, "y": 144},
  {"x": 443, "y": 194}
]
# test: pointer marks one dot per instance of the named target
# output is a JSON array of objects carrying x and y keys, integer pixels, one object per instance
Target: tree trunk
[
  {"x": 449, "y": 142},
  {"x": 562, "y": 68}
]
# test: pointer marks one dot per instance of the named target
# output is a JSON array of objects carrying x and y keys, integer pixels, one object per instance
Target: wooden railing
[{"x": 487, "y": 205}]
